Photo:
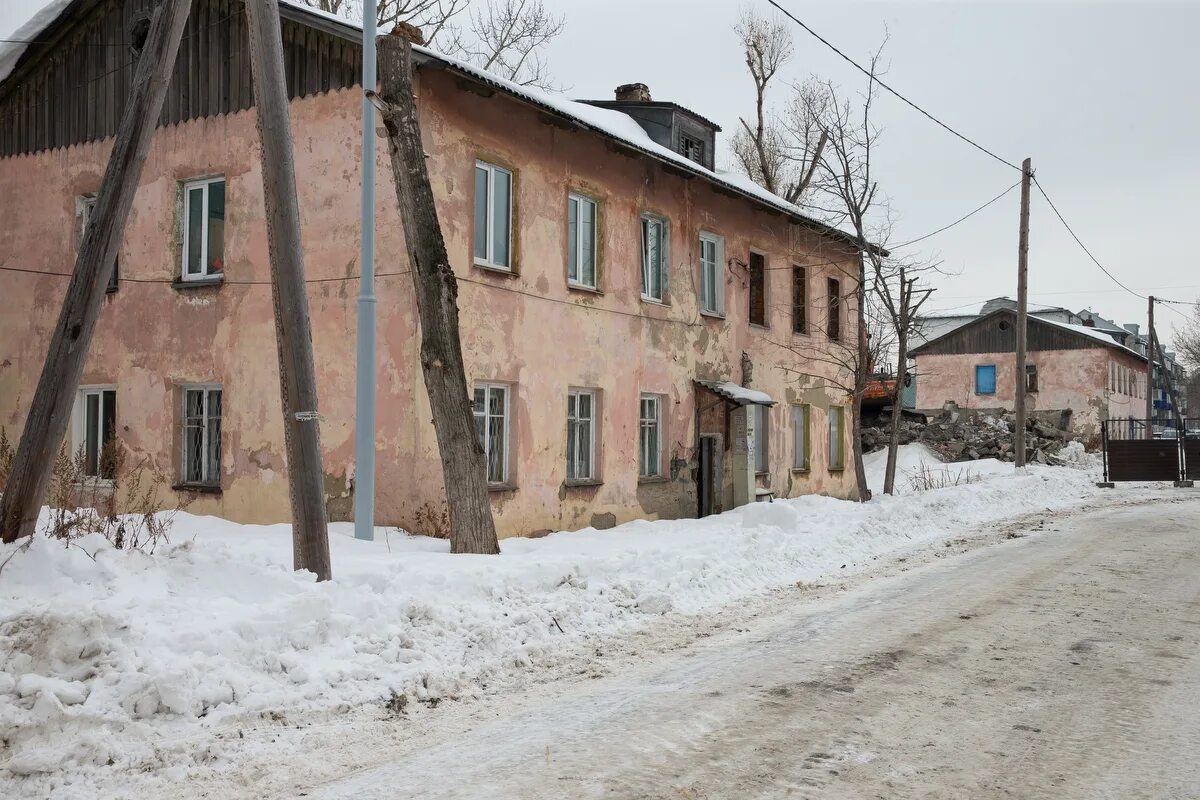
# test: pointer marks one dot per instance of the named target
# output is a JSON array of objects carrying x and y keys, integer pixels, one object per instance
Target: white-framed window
[
  {"x": 837, "y": 437},
  {"x": 493, "y": 216},
  {"x": 654, "y": 257},
  {"x": 87, "y": 208},
  {"x": 95, "y": 430},
  {"x": 761, "y": 420},
  {"x": 581, "y": 241},
  {"x": 650, "y": 436},
  {"x": 201, "y": 435},
  {"x": 712, "y": 274},
  {"x": 581, "y": 435},
  {"x": 203, "y": 229},
  {"x": 492, "y": 428},
  {"x": 800, "y": 439}
]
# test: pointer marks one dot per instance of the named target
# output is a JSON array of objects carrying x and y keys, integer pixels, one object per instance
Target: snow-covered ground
[{"x": 102, "y": 651}]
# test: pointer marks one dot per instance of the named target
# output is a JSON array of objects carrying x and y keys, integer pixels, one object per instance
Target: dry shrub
[
  {"x": 122, "y": 507},
  {"x": 926, "y": 478}
]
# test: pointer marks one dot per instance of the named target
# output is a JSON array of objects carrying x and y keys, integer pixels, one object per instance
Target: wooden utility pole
[
  {"x": 293, "y": 333},
  {"x": 472, "y": 529},
  {"x": 1149, "y": 432},
  {"x": 1022, "y": 381},
  {"x": 1180, "y": 430},
  {"x": 54, "y": 397}
]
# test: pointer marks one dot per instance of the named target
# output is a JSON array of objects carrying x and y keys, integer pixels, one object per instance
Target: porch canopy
[{"x": 738, "y": 394}]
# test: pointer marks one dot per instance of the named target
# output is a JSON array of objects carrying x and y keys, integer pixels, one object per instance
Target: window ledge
[
  {"x": 801, "y": 470},
  {"x": 713, "y": 315},
  {"x": 198, "y": 488},
  {"x": 652, "y": 479},
  {"x": 93, "y": 483},
  {"x": 651, "y": 301},
  {"x": 758, "y": 327},
  {"x": 198, "y": 283},
  {"x": 837, "y": 469},
  {"x": 495, "y": 269},
  {"x": 582, "y": 484},
  {"x": 501, "y": 487},
  {"x": 583, "y": 287}
]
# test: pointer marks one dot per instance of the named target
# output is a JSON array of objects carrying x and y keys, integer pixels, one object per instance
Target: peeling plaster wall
[
  {"x": 1074, "y": 380},
  {"x": 526, "y": 329}
]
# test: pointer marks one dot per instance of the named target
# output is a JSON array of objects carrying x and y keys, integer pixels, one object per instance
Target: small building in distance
[{"x": 1075, "y": 375}]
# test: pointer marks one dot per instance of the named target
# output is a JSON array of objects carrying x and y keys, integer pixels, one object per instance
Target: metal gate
[
  {"x": 1190, "y": 445},
  {"x": 1141, "y": 450}
]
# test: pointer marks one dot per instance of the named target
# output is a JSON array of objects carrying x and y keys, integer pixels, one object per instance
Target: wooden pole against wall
[
  {"x": 1149, "y": 432},
  {"x": 1022, "y": 381},
  {"x": 54, "y": 397},
  {"x": 472, "y": 529},
  {"x": 293, "y": 332}
]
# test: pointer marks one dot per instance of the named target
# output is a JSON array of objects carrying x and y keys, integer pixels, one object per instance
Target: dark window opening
[
  {"x": 833, "y": 324},
  {"x": 1031, "y": 378},
  {"x": 89, "y": 208},
  {"x": 692, "y": 148},
  {"x": 758, "y": 289},
  {"x": 799, "y": 300}
]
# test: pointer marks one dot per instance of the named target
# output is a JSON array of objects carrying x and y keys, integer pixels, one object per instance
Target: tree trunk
[
  {"x": 293, "y": 331},
  {"x": 50, "y": 411},
  {"x": 889, "y": 480},
  {"x": 472, "y": 529}
]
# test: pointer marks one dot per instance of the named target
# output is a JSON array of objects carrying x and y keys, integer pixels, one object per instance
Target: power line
[
  {"x": 228, "y": 281},
  {"x": 957, "y": 221},
  {"x": 875, "y": 78},
  {"x": 1079, "y": 241}
]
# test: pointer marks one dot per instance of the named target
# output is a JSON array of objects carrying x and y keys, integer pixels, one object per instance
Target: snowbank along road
[{"x": 1058, "y": 664}]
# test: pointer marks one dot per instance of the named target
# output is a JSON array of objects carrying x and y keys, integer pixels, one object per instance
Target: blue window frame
[{"x": 985, "y": 379}]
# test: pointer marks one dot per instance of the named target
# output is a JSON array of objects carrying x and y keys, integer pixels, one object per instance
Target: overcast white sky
[{"x": 1102, "y": 96}]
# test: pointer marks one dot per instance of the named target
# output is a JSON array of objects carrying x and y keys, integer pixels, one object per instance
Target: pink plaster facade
[
  {"x": 1094, "y": 384},
  {"x": 527, "y": 329}
]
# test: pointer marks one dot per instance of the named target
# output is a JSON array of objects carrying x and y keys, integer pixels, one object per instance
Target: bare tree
[
  {"x": 507, "y": 37},
  {"x": 1187, "y": 340},
  {"x": 778, "y": 154},
  {"x": 850, "y": 354},
  {"x": 847, "y": 186},
  {"x": 902, "y": 301}
]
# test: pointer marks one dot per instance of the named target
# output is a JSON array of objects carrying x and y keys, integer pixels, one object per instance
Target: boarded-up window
[
  {"x": 799, "y": 300},
  {"x": 833, "y": 322},
  {"x": 758, "y": 289}
]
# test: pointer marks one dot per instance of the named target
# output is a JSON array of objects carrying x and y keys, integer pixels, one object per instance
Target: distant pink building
[
  {"x": 1074, "y": 371},
  {"x": 612, "y": 287}
]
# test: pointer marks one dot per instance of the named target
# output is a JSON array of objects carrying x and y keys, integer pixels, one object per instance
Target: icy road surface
[{"x": 1061, "y": 663}]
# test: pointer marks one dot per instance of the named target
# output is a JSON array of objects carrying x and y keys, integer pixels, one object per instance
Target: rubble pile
[{"x": 960, "y": 436}]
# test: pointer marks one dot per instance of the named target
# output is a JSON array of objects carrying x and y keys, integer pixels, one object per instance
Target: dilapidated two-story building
[{"x": 616, "y": 290}]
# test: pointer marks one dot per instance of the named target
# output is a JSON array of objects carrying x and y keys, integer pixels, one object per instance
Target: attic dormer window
[{"x": 691, "y": 148}]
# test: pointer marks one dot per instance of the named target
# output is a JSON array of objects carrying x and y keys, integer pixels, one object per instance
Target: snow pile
[
  {"x": 918, "y": 463},
  {"x": 98, "y": 658}
]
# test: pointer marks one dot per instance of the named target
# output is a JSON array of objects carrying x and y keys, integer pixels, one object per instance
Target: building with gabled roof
[{"x": 616, "y": 291}]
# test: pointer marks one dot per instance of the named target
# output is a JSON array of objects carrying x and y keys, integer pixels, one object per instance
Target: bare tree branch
[{"x": 507, "y": 37}]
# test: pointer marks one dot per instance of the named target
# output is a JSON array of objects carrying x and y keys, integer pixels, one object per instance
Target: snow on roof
[
  {"x": 11, "y": 52},
  {"x": 738, "y": 393},
  {"x": 1092, "y": 333},
  {"x": 613, "y": 124}
]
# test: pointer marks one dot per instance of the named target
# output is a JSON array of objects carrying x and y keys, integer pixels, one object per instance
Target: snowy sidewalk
[{"x": 96, "y": 657}]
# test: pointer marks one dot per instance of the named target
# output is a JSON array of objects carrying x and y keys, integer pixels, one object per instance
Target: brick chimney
[
  {"x": 404, "y": 30},
  {"x": 633, "y": 93}
]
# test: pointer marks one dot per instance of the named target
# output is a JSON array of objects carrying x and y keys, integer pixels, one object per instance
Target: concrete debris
[{"x": 966, "y": 436}]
